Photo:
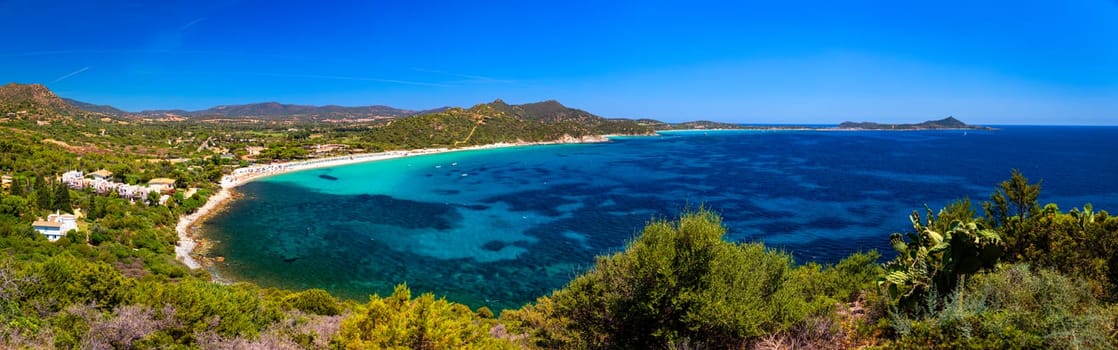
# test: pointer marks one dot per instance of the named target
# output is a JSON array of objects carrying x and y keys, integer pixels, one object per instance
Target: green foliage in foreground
[
  {"x": 938, "y": 252},
  {"x": 681, "y": 284},
  {"x": 1014, "y": 307},
  {"x": 400, "y": 322},
  {"x": 969, "y": 295}
]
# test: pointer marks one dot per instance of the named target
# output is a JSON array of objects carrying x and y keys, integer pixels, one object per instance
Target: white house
[
  {"x": 74, "y": 178},
  {"x": 53, "y": 230},
  {"x": 56, "y": 225},
  {"x": 161, "y": 184},
  {"x": 132, "y": 191},
  {"x": 102, "y": 174}
]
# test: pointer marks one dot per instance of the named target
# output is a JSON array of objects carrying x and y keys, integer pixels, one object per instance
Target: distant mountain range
[
  {"x": 276, "y": 110},
  {"x": 37, "y": 100},
  {"x": 491, "y": 122},
  {"x": 949, "y": 123},
  {"x": 89, "y": 107}
]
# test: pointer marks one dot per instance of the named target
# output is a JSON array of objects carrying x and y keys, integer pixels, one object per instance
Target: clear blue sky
[{"x": 993, "y": 62}]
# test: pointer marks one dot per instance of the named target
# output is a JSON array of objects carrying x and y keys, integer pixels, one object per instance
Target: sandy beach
[
  {"x": 186, "y": 243},
  {"x": 244, "y": 175}
]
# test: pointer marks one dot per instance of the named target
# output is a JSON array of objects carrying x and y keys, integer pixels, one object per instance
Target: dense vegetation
[
  {"x": 1017, "y": 275},
  {"x": 496, "y": 122}
]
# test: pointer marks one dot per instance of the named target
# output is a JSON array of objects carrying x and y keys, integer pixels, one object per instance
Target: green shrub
[
  {"x": 63, "y": 279},
  {"x": 398, "y": 322},
  {"x": 1015, "y": 307},
  {"x": 314, "y": 301},
  {"x": 228, "y": 310},
  {"x": 678, "y": 283}
]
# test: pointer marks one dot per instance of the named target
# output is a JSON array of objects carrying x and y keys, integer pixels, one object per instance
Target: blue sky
[{"x": 993, "y": 62}]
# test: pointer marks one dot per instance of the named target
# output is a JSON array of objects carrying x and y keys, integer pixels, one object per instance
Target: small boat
[{"x": 465, "y": 174}]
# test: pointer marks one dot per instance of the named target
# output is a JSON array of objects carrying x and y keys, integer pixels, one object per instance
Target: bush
[
  {"x": 201, "y": 306},
  {"x": 422, "y": 323},
  {"x": 678, "y": 284},
  {"x": 1015, "y": 307},
  {"x": 64, "y": 279},
  {"x": 314, "y": 301}
]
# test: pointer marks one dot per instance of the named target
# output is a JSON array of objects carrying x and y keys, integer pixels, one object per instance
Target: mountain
[
  {"x": 37, "y": 100},
  {"x": 498, "y": 122},
  {"x": 553, "y": 112},
  {"x": 89, "y": 107},
  {"x": 949, "y": 123},
  {"x": 276, "y": 110},
  {"x": 32, "y": 100},
  {"x": 547, "y": 111}
]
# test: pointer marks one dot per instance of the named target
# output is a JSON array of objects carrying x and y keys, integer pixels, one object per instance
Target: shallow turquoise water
[{"x": 502, "y": 227}]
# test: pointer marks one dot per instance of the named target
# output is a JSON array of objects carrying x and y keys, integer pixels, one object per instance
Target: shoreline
[{"x": 186, "y": 243}]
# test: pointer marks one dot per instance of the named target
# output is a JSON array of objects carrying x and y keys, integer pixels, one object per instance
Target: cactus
[{"x": 934, "y": 260}]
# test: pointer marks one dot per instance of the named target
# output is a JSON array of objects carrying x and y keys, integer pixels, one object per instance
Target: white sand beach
[{"x": 251, "y": 173}]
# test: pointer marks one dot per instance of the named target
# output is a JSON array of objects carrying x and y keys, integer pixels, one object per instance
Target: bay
[{"x": 502, "y": 227}]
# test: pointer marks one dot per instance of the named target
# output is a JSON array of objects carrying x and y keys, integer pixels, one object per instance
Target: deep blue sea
[{"x": 502, "y": 227}]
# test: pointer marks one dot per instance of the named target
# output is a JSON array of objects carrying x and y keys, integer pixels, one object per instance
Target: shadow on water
[{"x": 288, "y": 236}]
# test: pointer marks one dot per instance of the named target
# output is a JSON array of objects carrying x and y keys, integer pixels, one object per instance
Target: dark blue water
[{"x": 502, "y": 227}]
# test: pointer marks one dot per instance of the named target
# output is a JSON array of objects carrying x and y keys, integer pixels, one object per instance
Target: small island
[{"x": 949, "y": 123}]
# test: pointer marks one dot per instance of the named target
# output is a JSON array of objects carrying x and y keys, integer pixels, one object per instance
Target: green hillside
[{"x": 498, "y": 122}]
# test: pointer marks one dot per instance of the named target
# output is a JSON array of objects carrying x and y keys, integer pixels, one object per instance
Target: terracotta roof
[
  {"x": 47, "y": 224},
  {"x": 161, "y": 181},
  {"x": 102, "y": 173}
]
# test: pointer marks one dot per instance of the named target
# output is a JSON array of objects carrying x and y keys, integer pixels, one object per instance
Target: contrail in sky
[
  {"x": 64, "y": 77},
  {"x": 192, "y": 23},
  {"x": 473, "y": 78}
]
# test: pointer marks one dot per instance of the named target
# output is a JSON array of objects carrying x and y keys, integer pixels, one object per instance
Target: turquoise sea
[{"x": 502, "y": 227}]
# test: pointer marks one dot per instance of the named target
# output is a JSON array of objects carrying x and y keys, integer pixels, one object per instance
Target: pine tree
[
  {"x": 91, "y": 209},
  {"x": 17, "y": 187},
  {"x": 62, "y": 198},
  {"x": 43, "y": 194}
]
